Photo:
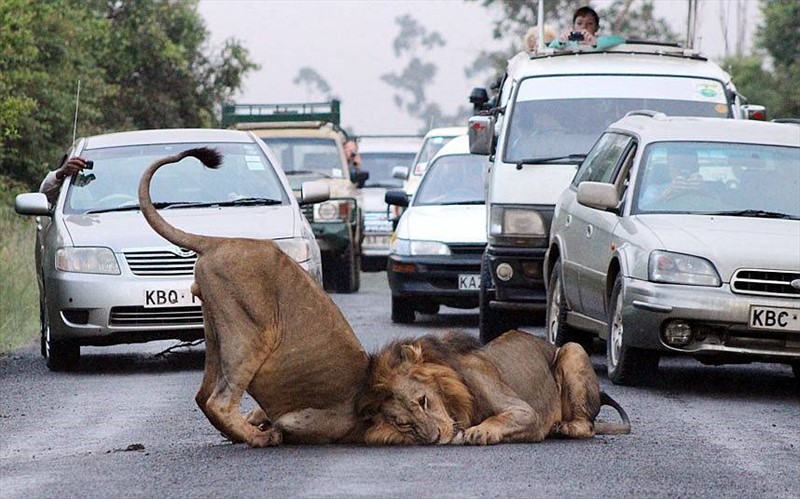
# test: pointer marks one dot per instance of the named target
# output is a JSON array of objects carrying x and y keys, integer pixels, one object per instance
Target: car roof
[
  {"x": 624, "y": 59},
  {"x": 389, "y": 143},
  {"x": 660, "y": 127},
  {"x": 459, "y": 145},
  {"x": 448, "y": 131},
  {"x": 165, "y": 136}
]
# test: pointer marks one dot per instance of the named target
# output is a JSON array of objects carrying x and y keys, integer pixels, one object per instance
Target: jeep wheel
[
  {"x": 796, "y": 370},
  {"x": 402, "y": 310},
  {"x": 626, "y": 365},
  {"x": 558, "y": 331},
  {"x": 345, "y": 273},
  {"x": 491, "y": 323}
]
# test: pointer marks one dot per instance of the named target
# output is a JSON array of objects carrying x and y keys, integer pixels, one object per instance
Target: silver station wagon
[
  {"x": 105, "y": 277},
  {"x": 680, "y": 235}
]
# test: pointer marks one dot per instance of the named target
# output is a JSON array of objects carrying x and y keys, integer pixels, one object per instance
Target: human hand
[{"x": 75, "y": 165}]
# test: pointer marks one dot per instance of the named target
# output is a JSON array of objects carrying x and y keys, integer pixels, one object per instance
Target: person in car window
[
  {"x": 583, "y": 31},
  {"x": 667, "y": 182},
  {"x": 353, "y": 157},
  {"x": 51, "y": 185}
]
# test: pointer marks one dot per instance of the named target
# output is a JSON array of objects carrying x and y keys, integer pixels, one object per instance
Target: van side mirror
[
  {"x": 400, "y": 172},
  {"x": 313, "y": 192},
  {"x": 481, "y": 135},
  {"x": 360, "y": 178},
  {"x": 396, "y": 198},
  {"x": 598, "y": 195},
  {"x": 754, "y": 112},
  {"x": 479, "y": 97}
]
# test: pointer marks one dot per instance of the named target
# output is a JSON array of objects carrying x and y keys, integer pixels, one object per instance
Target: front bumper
[
  {"x": 719, "y": 318},
  {"x": 525, "y": 289},
  {"x": 436, "y": 278}
]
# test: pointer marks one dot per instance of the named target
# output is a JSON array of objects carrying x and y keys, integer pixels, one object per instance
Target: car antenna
[{"x": 75, "y": 122}]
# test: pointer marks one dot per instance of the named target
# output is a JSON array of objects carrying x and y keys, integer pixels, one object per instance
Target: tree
[{"x": 315, "y": 83}]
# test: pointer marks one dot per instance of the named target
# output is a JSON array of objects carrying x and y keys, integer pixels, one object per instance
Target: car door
[{"x": 594, "y": 228}]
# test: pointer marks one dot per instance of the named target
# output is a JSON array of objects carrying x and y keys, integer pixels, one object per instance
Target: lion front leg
[{"x": 516, "y": 424}]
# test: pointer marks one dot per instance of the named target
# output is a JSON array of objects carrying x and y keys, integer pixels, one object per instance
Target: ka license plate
[
  {"x": 775, "y": 318},
  {"x": 158, "y": 298},
  {"x": 376, "y": 241},
  {"x": 469, "y": 282}
]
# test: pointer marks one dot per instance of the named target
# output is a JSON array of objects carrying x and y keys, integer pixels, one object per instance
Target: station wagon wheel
[
  {"x": 626, "y": 365},
  {"x": 402, "y": 310},
  {"x": 558, "y": 331}
]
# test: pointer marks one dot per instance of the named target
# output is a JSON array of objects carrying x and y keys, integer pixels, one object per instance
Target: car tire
[
  {"x": 491, "y": 323},
  {"x": 428, "y": 307},
  {"x": 796, "y": 370},
  {"x": 558, "y": 331},
  {"x": 626, "y": 365},
  {"x": 59, "y": 355},
  {"x": 402, "y": 310},
  {"x": 346, "y": 272}
]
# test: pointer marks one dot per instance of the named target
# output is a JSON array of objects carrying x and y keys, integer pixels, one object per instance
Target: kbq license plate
[
  {"x": 159, "y": 298},
  {"x": 775, "y": 318},
  {"x": 469, "y": 282}
]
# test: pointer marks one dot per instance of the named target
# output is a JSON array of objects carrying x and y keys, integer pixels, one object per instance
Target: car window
[
  {"x": 114, "y": 181},
  {"x": 380, "y": 164},
  {"x": 307, "y": 155},
  {"x": 719, "y": 177},
  {"x": 453, "y": 179},
  {"x": 600, "y": 165}
]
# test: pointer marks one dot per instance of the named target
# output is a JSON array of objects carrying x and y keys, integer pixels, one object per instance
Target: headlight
[
  {"x": 418, "y": 248},
  {"x": 333, "y": 211},
  {"x": 298, "y": 250},
  {"x": 516, "y": 226},
  {"x": 676, "y": 268},
  {"x": 87, "y": 261}
]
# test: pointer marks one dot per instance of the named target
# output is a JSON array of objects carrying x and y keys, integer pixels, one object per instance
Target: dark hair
[{"x": 586, "y": 11}]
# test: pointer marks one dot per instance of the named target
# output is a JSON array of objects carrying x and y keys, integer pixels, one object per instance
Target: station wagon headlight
[
  {"x": 411, "y": 247},
  {"x": 677, "y": 268},
  {"x": 298, "y": 250},
  {"x": 516, "y": 226},
  {"x": 333, "y": 211},
  {"x": 87, "y": 261}
]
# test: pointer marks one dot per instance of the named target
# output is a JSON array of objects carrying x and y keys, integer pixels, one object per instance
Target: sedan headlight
[
  {"x": 677, "y": 268},
  {"x": 87, "y": 261},
  {"x": 298, "y": 250},
  {"x": 333, "y": 211},
  {"x": 411, "y": 247},
  {"x": 516, "y": 226}
]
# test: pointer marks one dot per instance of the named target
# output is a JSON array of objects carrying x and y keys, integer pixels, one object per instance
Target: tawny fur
[
  {"x": 270, "y": 331},
  {"x": 518, "y": 388}
]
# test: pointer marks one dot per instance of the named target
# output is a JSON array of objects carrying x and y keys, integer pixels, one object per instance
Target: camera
[
  {"x": 575, "y": 36},
  {"x": 352, "y": 155},
  {"x": 88, "y": 165}
]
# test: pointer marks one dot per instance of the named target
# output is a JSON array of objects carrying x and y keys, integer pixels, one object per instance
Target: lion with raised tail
[
  {"x": 270, "y": 331},
  {"x": 517, "y": 388}
]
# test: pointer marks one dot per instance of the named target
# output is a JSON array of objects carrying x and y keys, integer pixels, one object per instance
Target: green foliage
[
  {"x": 19, "y": 314},
  {"x": 779, "y": 34}
]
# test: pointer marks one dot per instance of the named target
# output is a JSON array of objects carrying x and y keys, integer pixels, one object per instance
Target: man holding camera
[
  {"x": 585, "y": 23},
  {"x": 51, "y": 184}
]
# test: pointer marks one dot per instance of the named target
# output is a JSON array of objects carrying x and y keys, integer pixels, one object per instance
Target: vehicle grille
[
  {"x": 308, "y": 211},
  {"x": 765, "y": 283},
  {"x": 160, "y": 263},
  {"x": 156, "y": 317},
  {"x": 467, "y": 249}
]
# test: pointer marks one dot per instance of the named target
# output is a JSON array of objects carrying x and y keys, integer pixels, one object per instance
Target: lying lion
[
  {"x": 271, "y": 331},
  {"x": 518, "y": 388}
]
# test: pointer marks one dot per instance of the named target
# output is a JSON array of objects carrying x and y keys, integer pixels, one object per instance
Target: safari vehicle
[
  {"x": 308, "y": 142},
  {"x": 551, "y": 108},
  {"x": 680, "y": 236},
  {"x": 106, "y": 278}
]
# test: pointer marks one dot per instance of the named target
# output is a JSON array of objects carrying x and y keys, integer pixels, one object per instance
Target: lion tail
[
  {"x": 603, "y": 428},
  {"x": 210, "y": 158}
]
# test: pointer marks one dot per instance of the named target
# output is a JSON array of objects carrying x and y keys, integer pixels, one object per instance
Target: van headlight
[
  {"x": 87, "y": 261},
  {"x": 514, "y": 226},
  {"x": 298, "y": 250},
  {"x": 677, "y": 268},
  {"x": 412, "y": 247}
]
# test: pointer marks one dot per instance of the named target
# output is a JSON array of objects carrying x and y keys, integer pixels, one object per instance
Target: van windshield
[
  {"x": 300, "y": 155},
  {"x": 563, "y": 116}
]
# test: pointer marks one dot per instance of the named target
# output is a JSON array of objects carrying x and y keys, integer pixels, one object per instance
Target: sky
[{"x": 349, "y": 43}]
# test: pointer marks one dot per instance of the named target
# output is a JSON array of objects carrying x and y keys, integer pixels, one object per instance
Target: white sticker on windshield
[
  {"x": 336, "y": 172},
  {"x": 254, "y": 163}
]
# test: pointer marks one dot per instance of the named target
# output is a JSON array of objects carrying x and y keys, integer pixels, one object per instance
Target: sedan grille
[
  {"x": 160, "y": 263},
  {"x": 765, "y": 283},
  {"x": 156, "y": 317},
  {"x": 467, "y": 249}
]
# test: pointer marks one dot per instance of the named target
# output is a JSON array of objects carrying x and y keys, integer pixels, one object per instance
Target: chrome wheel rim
[
  {"x": 555, "y": 306},
  {"x": 616, "y": 332}
]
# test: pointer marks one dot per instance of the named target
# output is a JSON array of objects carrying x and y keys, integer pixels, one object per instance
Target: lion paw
[
  {"x": 481, "y": 436},
  {"x": 269, "y": 438}
]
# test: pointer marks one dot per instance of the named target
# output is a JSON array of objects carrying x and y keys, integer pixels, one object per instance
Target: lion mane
[{"x": 450, "y": 389}]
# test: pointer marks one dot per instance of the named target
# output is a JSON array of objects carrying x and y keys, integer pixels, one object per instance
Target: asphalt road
[{"x": 126, "y": 425}]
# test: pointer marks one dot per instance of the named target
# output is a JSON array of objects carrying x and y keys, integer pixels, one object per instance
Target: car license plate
[
  {"x": 775, "y": 318},
  {"x": 156, "y": 298},
  {"x": 469, "y": 282},
  {"x": 376, "y": 241}
]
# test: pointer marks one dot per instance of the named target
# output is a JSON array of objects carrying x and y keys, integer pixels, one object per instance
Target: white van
[{"x": 551, "y": 109}]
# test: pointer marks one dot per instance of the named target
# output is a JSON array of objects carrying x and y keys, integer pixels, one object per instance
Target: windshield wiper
[
  {"x": 754, "y": 213},
  {"x": 307, "y": 172},
  {"x": 471, "y": 201},
  {"x": 125, "y": 207},
  {"x": 549, "y": 159},
  {"x": 233, "y": 202}
]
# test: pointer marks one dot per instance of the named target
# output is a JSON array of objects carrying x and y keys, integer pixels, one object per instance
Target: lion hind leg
[
  {"x": 580, "y": 392},
  {"x": 223, "y": 407}
]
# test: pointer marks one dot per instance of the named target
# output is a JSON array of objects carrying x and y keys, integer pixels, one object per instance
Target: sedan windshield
[
  {"x": 719, "y": 178},
  {"x": 307, "y": 155},
  {"x": 453, "y": 179},
  {"x": 112, "y": 185}
]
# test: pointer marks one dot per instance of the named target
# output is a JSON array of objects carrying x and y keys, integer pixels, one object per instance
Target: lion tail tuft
[
  {"x": 603, "y": 428},
  {"x": 210, "y": 157}
]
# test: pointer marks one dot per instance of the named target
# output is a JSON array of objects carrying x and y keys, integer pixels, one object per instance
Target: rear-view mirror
[
  {"x": 754, "y": 112},
  {"x": 313, "y": 192},
  {"x": 32, "y": 203},
  {"x": 481, "y": 135},
  {"x": 360, "y": 178},
  {"x": 400, "y": 172},
  {"x": 396, "y": 198},
  {"x": 598, "y": 195}
]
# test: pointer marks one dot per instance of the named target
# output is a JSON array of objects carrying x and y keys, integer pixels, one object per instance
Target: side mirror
[
  {"x": 313, "y": 192},
  {"x": 396, "y": 198},
  {"x": 360, "y": 178},
  {"x": 32, "y": 203},
  {"x": 479, "y": 97},
  {"x": 400, "y": 172},
  {"x": 754, "y": 112},
  {"x": 481, "y": 135},
  {"x": 598, "y": 195}
]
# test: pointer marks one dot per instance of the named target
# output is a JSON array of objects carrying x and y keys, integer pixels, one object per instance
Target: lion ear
[{"x": 411, "y": 353}]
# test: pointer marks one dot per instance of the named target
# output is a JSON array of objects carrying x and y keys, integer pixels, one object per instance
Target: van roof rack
[
  {"x": 631, "y": 46},
  {"x": 326, "y": 112}
]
